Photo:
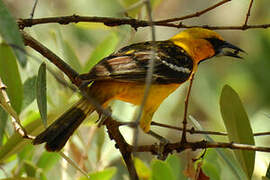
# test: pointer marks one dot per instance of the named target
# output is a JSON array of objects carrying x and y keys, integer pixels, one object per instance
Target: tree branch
[
  {"x": 125, "y": 21},
  {"x": 193, "y": 131}
]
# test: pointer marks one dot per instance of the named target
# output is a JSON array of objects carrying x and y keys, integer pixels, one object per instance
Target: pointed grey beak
[{"x": 234, "y": 54}]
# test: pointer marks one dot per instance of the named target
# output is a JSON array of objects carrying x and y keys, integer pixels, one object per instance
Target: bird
[{"x": 121, "y": 76}]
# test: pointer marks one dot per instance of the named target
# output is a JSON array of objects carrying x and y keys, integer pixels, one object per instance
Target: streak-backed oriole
[{"x": 122, "y": 75}]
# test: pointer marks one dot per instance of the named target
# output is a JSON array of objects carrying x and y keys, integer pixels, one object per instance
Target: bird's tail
[{"x": 58, "y": 133}]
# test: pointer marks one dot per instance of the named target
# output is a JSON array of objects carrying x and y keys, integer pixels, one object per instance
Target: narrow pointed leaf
[
  {"x": 10, "y": 76},
  {"x": 238, "y": 127},
  {"x": 10, "y": 33},
  {"x": 41, "y": 93},
  {"x": 143, "y": 171}
]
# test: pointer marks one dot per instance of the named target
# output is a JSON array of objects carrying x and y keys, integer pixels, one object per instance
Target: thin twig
[
  {"x": 113, "y": 130},
  {"x": 149, "y": 75},
  {"x": 193, "y": 131},
  {"x": 62, "y": 65},
  {"x": 5, "y": 103},
  {"x": 125, "y": 21},
  {"x": 72, "y": 163},
  {"x": 33, "y": 9},
  {"x": 200, "y": 145},
  {"x": 196, "y": 14},
  {"x": 248, "y": 12},
  {"x": 58, "y": 78},
  {"x": 184, "y": 138}
]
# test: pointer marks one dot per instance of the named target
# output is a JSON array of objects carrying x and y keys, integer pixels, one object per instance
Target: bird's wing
[{"x": 130, "y": 64}]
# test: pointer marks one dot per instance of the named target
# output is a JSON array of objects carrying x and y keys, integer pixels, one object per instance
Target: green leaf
[
  {"x": 102, "y": 50},
  {"x": 238, "y": 127},
  {"x": 3, "y": 122},
  {"x": 41, "y": 93},
  {"x": 10, "y": 33},
  {"x": 10, "y": 76},
  {"x": 174, "y": 162},
  {"x": 223, "y": 154},
  {"x": 16, "y": 143},
  {"x": 26, "y": 153},
  {"x": 47, "y": 160},
  {"x": 265, "y": 178},
  {"x": 30, "y": 169},
  {"x": 143, "y": 171},
  {"x": 29, "y": 91},
  {"x": 106, "y": 174},
  {"x": 161, "y": 170},
  {"x": 69, "y": 54}
]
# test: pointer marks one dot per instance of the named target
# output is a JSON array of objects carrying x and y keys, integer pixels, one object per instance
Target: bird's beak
[{"x": 226, "y": 50}]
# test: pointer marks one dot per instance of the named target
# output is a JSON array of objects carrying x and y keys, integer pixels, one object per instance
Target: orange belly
[{"x": 131, "y": 92}]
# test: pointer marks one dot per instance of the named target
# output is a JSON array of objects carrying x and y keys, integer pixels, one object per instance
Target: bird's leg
[
  {"x": 102, "y": 117},
  {"x": 184, "y": 138}
]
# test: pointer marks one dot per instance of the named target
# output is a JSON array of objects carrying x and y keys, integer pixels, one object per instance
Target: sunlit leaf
[
  {"x": 102, "y": 50},
  {"x": 174, "y": 162},
  {"x": 92, "y": 25},
  {"x": 161, "y": 170},
  {"x": 143, "y": 171},
  {"x": 16, "y": 143},
  {"x": 11, "y": 77},
  {"x": 106, "y": 174},
  {"x": 29, "y": 91},
  {"x": 41, "y": 93},
  {"x": 10, "y": 33},
  {"x": 238, "y": 127},
  {"x": 47, "y": 160}
]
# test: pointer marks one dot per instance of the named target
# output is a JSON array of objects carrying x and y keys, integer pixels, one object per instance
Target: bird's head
[{"x": 202, "y": 44}]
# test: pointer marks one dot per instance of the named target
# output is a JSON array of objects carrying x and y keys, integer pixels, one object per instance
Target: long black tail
[{"x": 58, "y": 133}]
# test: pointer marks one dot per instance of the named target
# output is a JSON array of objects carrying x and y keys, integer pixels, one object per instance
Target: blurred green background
[{"x": 83, "y": 44}]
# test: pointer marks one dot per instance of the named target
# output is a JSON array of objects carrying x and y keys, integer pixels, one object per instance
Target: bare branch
[
  {"x": 5, "y": 103},
  {"x": 125, "y": 21},
  {"x": 33, "y": 9},
  {"x": 149, "y": 75},
  {"x": 248, "y": 12},
  {"x": 122, "y": 145},
  {"x": 196, "y": 14},
  {"x": 184, "y": 138},
  {"x": 193, "y": 131},
  {"x": 44, "y": 51}
]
